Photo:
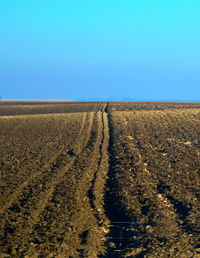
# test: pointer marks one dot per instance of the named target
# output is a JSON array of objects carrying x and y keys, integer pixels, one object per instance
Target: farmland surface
[{"x": 99, "y": 179}]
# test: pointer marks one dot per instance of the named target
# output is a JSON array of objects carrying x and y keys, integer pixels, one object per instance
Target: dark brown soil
[
  {"x": 105, "y": 183},
  {"x": 24, "y": 108},
  {"x": 153, "y": 201}
]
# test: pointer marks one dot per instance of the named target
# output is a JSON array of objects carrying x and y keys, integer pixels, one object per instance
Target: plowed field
[{"x": 99, "y": 179}]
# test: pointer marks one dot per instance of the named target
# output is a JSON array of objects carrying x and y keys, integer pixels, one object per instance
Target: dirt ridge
[{"x": 53, "y": 163}]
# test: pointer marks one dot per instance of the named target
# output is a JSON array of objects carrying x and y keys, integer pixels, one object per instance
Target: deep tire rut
[
  {"x": 95, "y": 193},
  {"x": 120, "y": 234},
  {"x": 102, "y": 166}
]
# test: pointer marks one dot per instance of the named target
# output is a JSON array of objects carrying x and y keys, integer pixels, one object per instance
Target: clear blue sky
[{"x": 83, "y": 49}]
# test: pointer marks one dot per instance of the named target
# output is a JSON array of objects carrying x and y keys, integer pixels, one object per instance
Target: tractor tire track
[
  {"x": 95, "y": 193},
  {"x": 22, "y": 216},
  {"x": 89, "y": 233},
  {"x": 102, "y": 167},
  {"x": 52, "y": 164},
  {"x": 51, "y": 184},
  {"x": 87, "y": 225},
  {"x": 86, "y": 222},
  {"x": 81, "y": 173}
]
